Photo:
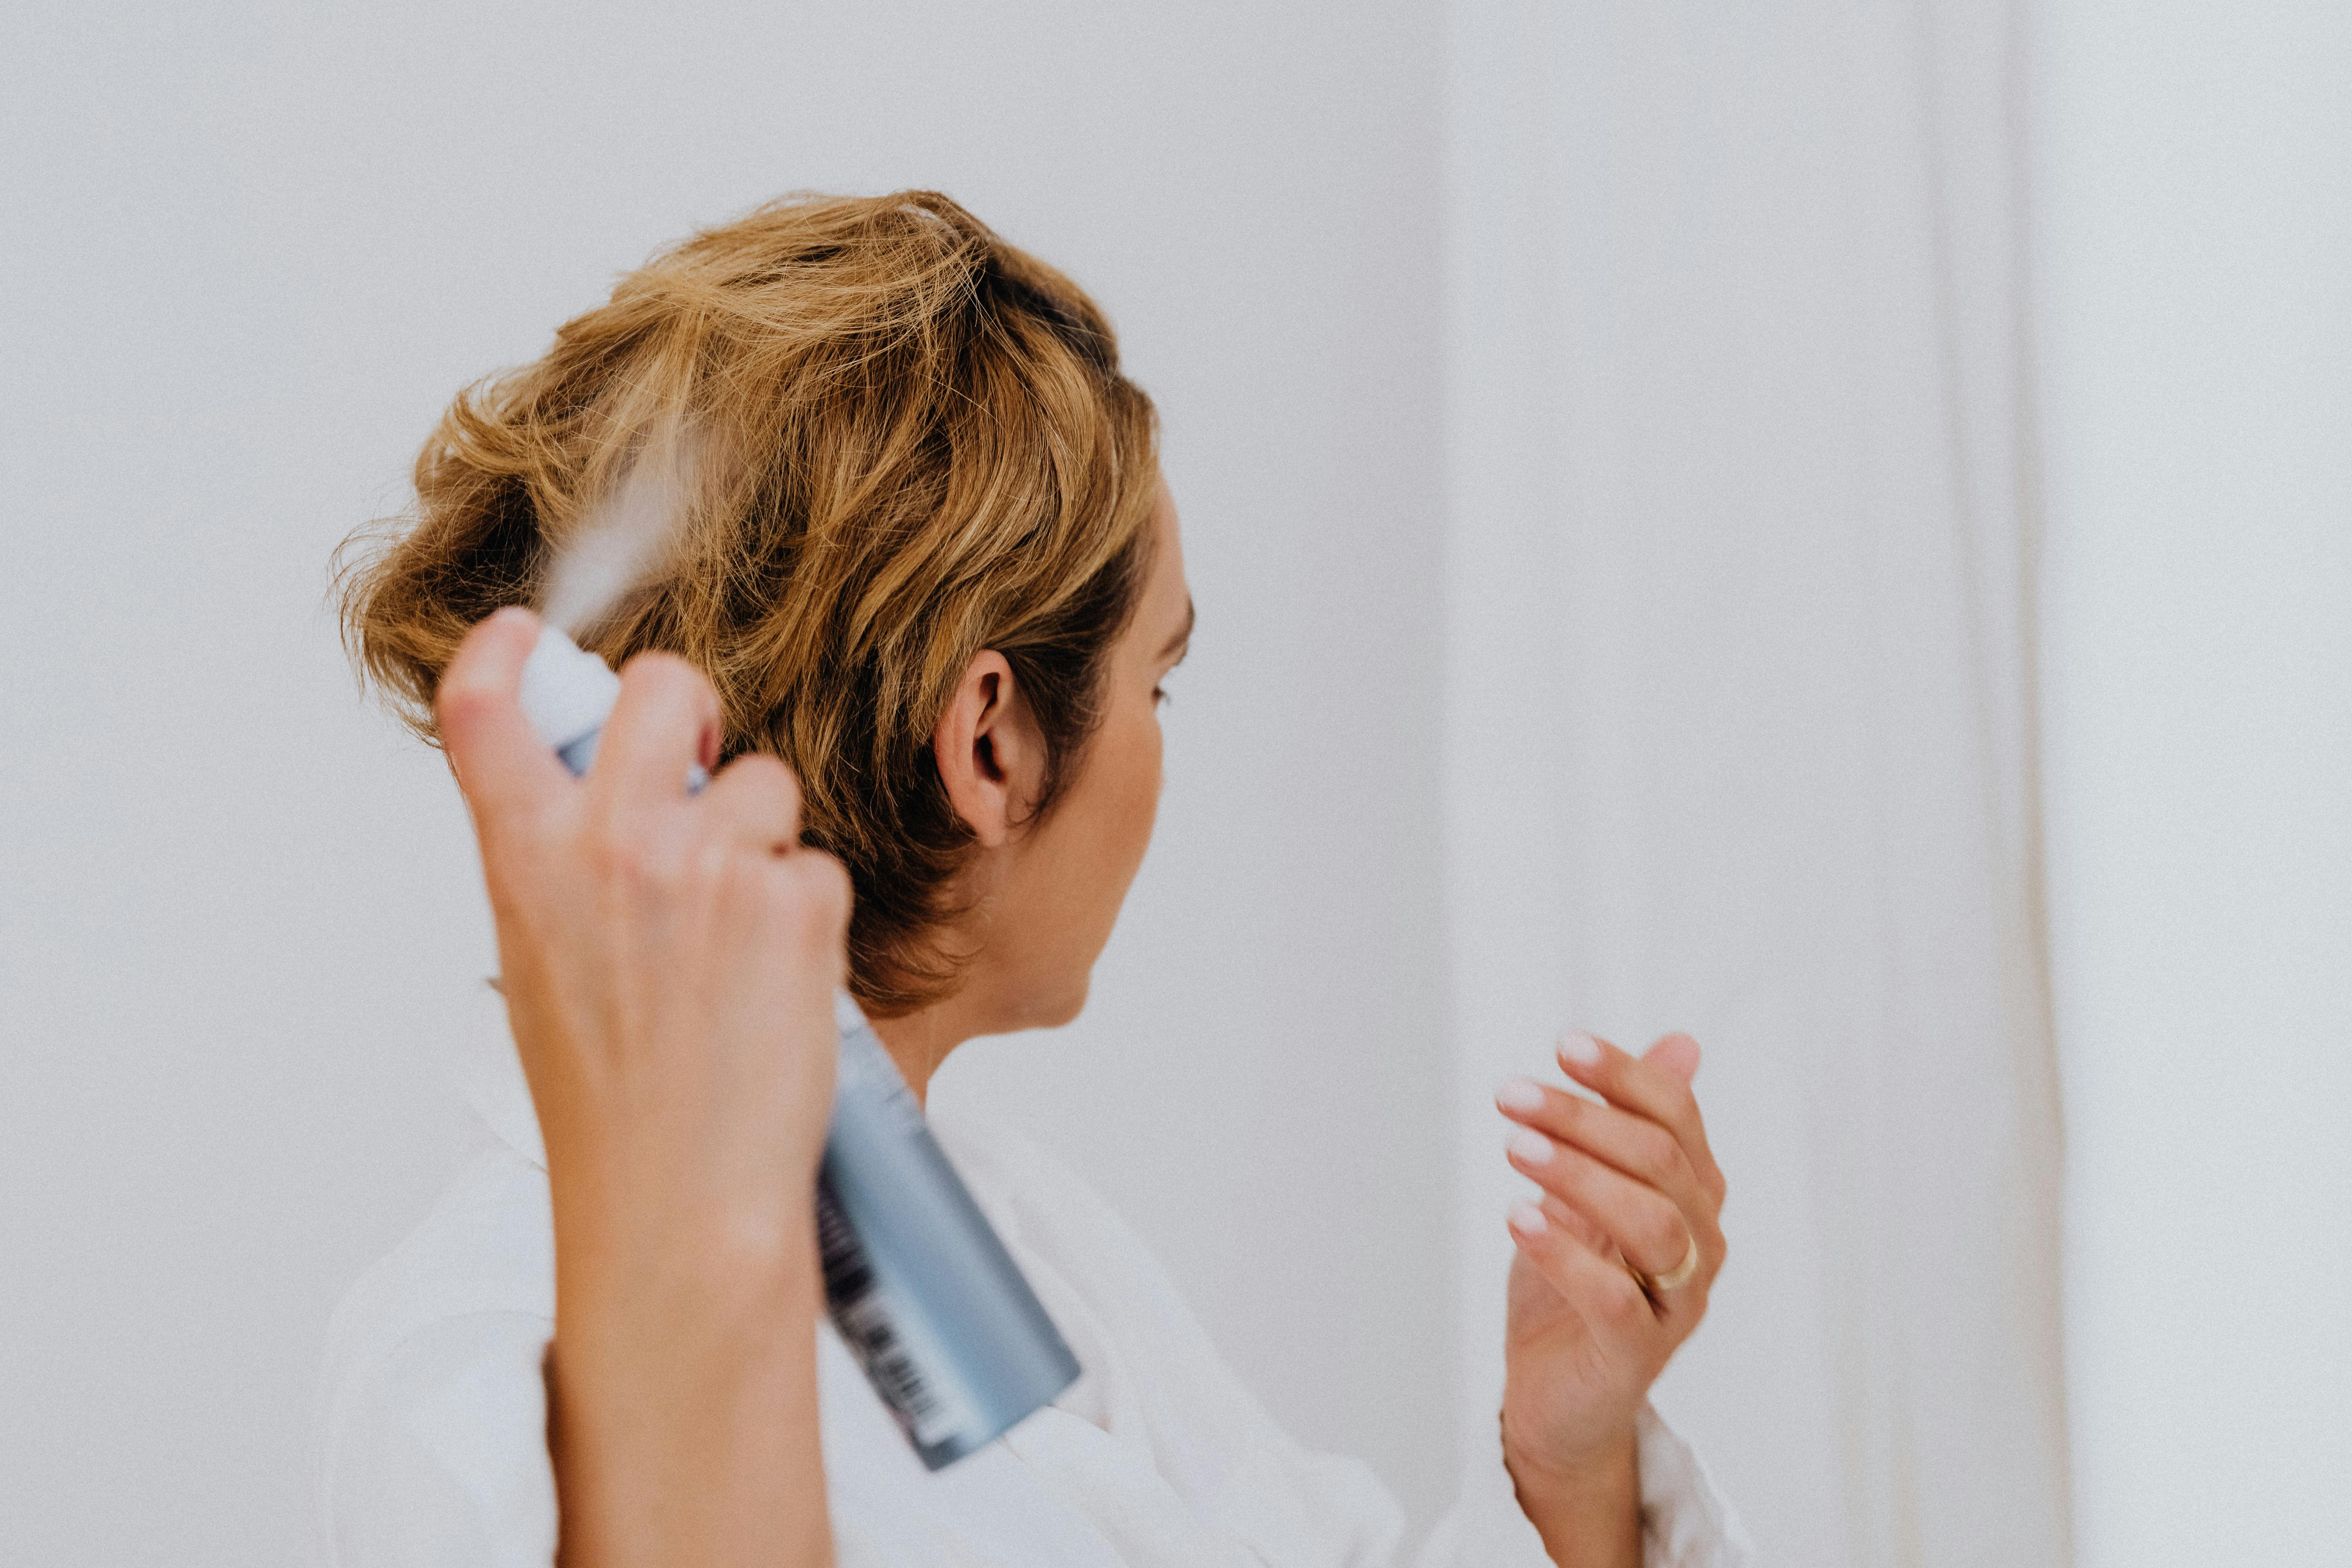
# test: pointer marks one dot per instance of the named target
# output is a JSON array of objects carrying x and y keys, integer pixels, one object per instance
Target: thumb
[
  {"x": 500, "y": 763},
  {"x": 1678, "y": 1054}
]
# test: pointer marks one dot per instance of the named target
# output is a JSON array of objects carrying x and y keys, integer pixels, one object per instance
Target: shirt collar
[{"x": 482, "y": 1064}]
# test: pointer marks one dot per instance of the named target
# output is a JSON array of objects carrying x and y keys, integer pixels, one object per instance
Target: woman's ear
[{"x": 990, "y": 754}]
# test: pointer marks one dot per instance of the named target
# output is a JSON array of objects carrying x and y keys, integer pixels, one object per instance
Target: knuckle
[
  {"x": 608, "y": 850},
  {"x": 1664, "y": 1234},
  {"x": 659, "y": 872},
  {"x": 463, "y": 709},
  {"x": 764, "y": 769},
  {"x": 621, "y": 851},
  {"x": 831, "y": 881},
  {"x": 523, "y": 836},
  {"x": 1568, "y": 1176},
  {"x": 1590, "y": 1231},
  {"x": 655, "y": 664},
  {"x": 672, "y": 676},
  {"x": 716, "y": 864},
  {"x": 814, "y": 894},
  {"x": 775, "y": 785},
  {"x": 458, "y": 700},
  {"x": 1622, "y": 1301},
  {"x": 1654, "y": 1152}
]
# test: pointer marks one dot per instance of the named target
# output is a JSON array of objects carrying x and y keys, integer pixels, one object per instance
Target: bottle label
[
  {"x": 893, "y": 1359},
  {"x": 914, "y": 1375}
]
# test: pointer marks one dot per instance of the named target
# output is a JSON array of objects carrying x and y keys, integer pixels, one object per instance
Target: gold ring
[{"x": 1675, "y": 1280}]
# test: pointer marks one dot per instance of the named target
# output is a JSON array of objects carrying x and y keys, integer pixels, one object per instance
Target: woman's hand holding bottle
[
  {"x": 668, "y": 961},
  {"x": 1628, "y": 1185}
]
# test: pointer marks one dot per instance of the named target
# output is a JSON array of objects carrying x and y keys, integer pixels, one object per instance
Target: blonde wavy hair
[{"x": 910, "y": 442}]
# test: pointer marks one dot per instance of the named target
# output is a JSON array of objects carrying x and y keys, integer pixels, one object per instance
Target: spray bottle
[{"x": 916, "y": 1281}]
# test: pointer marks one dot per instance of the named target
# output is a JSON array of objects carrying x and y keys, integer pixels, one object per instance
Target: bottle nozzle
[{"x": 567, "y": 694}]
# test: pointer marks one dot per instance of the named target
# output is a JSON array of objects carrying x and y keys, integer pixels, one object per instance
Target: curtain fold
[{"x": 1738, "y": 716}]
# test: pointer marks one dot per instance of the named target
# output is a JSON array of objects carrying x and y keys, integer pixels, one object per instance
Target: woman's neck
[{"x": 921, "y": 1041}]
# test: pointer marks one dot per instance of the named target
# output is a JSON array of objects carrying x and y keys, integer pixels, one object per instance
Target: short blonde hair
[{"x": 911, "y": 442}]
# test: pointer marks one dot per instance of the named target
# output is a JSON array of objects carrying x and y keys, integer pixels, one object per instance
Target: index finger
[
  {"x": 664, "y": 723},
  {"x": 502, "y": 765},
  {"x": 1647, "y": 1088}
]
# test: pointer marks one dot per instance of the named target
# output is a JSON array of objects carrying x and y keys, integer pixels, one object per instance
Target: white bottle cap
[{"x": 567, "y": 692}]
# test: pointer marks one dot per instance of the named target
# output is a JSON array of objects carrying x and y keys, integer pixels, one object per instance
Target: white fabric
[
  {"x": 1739, "y": 719},
  {"x": 434, "y": 1452}
]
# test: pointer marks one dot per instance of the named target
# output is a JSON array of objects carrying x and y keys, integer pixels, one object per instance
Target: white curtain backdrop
[
  {"x": 1739, "y": 727},
  {"x": 2194, "y": 222}
]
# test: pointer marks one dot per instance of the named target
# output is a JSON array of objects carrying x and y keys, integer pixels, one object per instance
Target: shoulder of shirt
[
  {"x": 1014, "y": 1178},
  {"x": 1047, "y": 1211},
  {"x": 487, "y": 1246},
  {"x": 469, "y": 1295}
]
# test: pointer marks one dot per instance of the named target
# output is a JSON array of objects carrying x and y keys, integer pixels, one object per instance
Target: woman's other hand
[
  {"x": 1628, "y": 1185},
  {"x": 668, "y": 961}
]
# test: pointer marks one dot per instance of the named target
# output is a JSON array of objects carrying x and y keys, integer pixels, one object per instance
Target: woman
[{"x": 923, "y": 586}]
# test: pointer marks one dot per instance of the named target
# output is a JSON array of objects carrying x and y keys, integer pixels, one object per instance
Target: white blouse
[{"x": 434, "y": 1452}]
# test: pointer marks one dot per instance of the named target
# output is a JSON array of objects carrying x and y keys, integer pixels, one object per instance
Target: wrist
[
  {"x": 643, "y": 1210},
  {"x": 1587, "y": 1507},
  {"x": 683, "y": 1403},
  {"x": 1603, "y": 1466},
  {"x": 712, "y": 1277}
]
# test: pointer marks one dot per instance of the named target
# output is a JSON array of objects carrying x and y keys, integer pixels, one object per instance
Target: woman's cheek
[{"x": 1149, "y": 777}]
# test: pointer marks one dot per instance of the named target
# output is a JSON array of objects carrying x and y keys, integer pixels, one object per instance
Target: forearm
[
  {"x": 683, "y": 1408},
  {"x": 1587, "y": 1518}
]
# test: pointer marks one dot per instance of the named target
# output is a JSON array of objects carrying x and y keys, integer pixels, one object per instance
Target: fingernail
[
  {"x": 1579, "y": 1049},
  {"x": 1520, "y": 1094},
  {"x": 1528, "y": 1220},
  {"x": 1529, "y": 1147}
]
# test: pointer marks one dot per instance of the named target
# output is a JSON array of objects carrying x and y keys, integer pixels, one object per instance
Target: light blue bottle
[{"x": 916, "y": 1280}]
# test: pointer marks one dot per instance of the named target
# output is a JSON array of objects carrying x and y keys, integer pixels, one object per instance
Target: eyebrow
[{"x": 1183, "y": 633}]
